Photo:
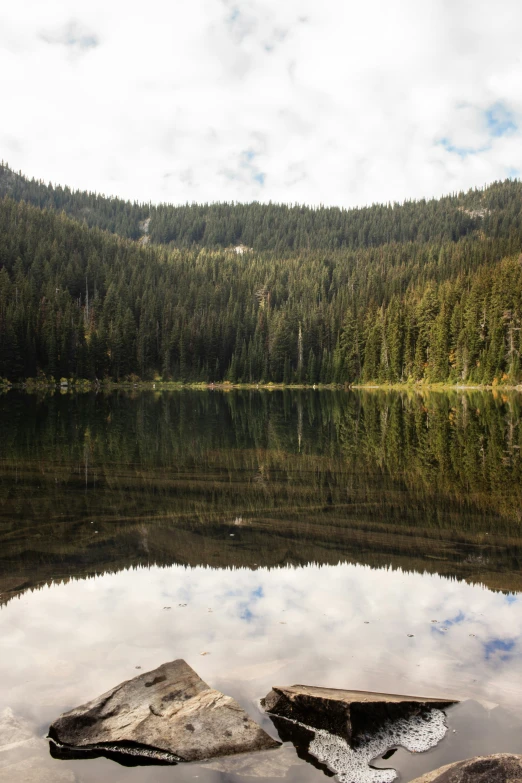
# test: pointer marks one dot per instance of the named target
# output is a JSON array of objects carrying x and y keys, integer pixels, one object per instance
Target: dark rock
[
  {"x": 167, "y": 715},
  {"x": 348, "y": 714},
  {"x": 500, "y": 768}
]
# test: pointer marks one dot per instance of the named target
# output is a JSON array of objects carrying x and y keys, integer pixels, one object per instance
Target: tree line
[{"x": 492, "y": 211}]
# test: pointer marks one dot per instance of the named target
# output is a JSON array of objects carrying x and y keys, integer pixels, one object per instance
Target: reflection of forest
[{"x": 95, "y": 483}]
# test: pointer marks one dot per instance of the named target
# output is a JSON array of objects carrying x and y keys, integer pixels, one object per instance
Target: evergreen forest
[{"x": 100, "y": 288}]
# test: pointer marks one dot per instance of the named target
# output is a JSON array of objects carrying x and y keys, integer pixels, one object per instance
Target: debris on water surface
[
  {"x": 417, "y": 734},
  {"x": 410, "y": 635}
]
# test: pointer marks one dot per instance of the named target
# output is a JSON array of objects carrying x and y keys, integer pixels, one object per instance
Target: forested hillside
[
  {"x": 421, "y": 291},
  {"x": 494, "y": 211},
  {"x": 112, "y": 214}
]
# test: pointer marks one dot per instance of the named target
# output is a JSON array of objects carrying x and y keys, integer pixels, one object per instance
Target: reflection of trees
[
  {"x": 464, "y": 447},
  {"x": 415, "y": 481}
]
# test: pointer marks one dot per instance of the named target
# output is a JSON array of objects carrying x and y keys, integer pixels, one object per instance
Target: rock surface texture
[
  {"x": 166, "y": 715},
  {"x": 348, "y": 714},
  {"x": 500, "y": 768}
]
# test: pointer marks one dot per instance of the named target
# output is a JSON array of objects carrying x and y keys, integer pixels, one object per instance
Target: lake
[{"x": 360, "y": 540}]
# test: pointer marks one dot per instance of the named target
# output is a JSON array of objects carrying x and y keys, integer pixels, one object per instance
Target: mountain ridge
[{"x": 271, "y": 226}]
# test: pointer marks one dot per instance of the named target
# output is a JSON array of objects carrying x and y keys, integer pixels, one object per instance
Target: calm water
[{"x": 307, "y": 537}]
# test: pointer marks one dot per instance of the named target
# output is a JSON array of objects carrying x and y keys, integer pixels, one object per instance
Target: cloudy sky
[{"x": 311, "y": 101}]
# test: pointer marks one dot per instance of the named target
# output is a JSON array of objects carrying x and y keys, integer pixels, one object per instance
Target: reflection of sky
[{"x": 344, "y": 626}]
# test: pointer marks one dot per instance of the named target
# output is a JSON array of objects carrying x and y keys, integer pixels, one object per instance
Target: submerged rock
[
  {"x": 500, "y": 768},
  {"x": 347, "y": 714},
  {"x": 33, "y": 771},
  {"x": 268, "y": 764},
  {"x": 17, "y": 738},
  {"x": 163, "y": 716},
  {"x": 15, "y": 732}
]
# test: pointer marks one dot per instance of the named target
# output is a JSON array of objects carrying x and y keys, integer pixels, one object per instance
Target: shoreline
[{"x": 71, "y": 386}]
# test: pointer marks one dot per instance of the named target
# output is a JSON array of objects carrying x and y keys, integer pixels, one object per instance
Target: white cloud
[{"x": 332, "y": 102}]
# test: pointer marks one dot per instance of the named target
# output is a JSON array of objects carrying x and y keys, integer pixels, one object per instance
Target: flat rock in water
[
  {"x": 167, "y": 715},
  {"x": 348, "y": 714},
  {"x": 500, "y": 768}
]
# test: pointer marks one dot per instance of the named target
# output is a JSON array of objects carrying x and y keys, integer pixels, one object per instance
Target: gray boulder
[
  {"x": 500, "y": 768},
  {"x": 167, "y": 715},
  {"x": 348, "y": 714}
]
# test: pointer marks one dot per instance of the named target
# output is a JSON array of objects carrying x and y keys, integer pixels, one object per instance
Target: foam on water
[{"x": 417, "y": 734}]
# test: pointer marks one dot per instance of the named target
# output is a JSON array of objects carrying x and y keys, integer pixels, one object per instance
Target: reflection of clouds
[
  {"x": 343, "y": 626},
  {"x": 248, "y": 608},
  {"x": 499, "y": 649},
  {"x": 454, "y": 620}
]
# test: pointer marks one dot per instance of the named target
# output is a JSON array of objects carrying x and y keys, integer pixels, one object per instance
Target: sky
[{"x": 331, "y": 102}]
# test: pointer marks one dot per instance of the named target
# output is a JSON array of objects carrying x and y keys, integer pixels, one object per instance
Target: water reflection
[
  {"x": 338, "y": 626},
  {"x": 367, "y": 541},
  {"x": 94, "y": 483}
]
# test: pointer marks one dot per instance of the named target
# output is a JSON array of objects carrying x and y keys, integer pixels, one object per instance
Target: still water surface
[{"x": 268, "y": 539}]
